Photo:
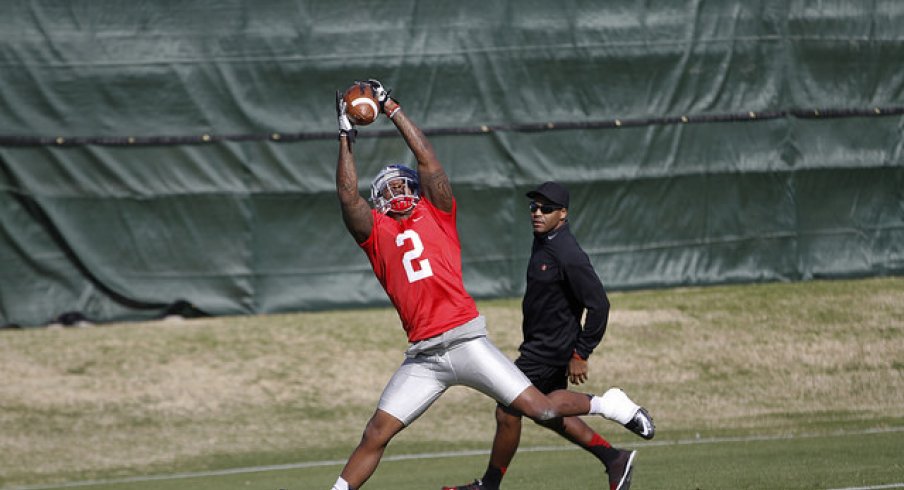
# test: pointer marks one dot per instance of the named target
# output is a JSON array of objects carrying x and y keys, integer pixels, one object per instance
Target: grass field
[{"x": 784, "y": 385}]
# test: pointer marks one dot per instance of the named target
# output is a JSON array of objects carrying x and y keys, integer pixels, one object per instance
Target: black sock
[
  {"x": 492, "y": 478},
  {"x": 601, "y": 448},
  {"x": 603, "y": 453}
]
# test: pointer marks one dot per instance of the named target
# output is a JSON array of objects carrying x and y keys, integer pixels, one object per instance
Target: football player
[{"x": 411, "y": 240}]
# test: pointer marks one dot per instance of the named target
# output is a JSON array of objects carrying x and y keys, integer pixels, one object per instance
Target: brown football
[{"x": 361, "y": 105}]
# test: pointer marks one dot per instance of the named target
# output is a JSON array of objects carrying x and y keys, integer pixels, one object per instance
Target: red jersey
[{"x": 418, "y": 262}]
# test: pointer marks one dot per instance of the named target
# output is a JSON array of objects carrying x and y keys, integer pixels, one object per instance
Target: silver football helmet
[{"x": 396, "y": 188}]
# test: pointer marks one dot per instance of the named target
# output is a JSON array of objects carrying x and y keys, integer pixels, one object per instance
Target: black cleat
[
  {"x": 620, "y": 470},
  {"x": 642, "y": 424},
  {"x": 475, "y": 485}
]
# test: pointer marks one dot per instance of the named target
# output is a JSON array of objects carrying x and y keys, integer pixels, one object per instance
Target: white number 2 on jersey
[{"x": 417, "y": 248}]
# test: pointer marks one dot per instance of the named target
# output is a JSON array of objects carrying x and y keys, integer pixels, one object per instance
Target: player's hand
[
  {"x": 388, "y": 105},
  {"x": 346, "y": 127},
  {"x": 577, "y": 371},
  {"x": 380, "y": 92}
]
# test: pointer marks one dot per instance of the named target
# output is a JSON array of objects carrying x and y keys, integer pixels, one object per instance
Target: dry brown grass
[{"x": 173, "y": 395}]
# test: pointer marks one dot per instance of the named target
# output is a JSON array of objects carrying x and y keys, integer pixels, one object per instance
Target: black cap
[{"x": 553, "y": 192}]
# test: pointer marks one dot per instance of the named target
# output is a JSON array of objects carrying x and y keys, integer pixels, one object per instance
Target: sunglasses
[{"x": 544, "y": 208}]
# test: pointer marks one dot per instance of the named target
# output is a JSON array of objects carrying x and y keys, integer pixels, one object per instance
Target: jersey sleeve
[
  {"x": 370, "y": 245},
  {"x": 446, "y": 220}
]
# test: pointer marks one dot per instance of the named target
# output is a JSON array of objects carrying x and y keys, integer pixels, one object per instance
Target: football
[{"x": 361, "y": 104}]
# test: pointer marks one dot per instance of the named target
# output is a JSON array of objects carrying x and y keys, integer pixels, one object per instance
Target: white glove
[
  {"x": 345, "y": 125},
  {"x": 380, "y": 93}
]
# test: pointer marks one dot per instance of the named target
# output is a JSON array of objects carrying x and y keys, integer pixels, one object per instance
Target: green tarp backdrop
[{"x": 155, "y": 153}]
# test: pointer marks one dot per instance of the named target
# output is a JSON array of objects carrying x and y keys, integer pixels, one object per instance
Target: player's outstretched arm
[
  {"x": 355, "y": 211},
  {"x": 435, "y": 185}
]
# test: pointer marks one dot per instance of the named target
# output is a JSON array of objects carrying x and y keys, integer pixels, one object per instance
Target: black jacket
[{"x": 561, "y": 285}]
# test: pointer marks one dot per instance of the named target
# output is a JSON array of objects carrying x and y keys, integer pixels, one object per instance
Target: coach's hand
[
  {"x": 346, "y": 128},
  {"x": 577, "y": 370}
]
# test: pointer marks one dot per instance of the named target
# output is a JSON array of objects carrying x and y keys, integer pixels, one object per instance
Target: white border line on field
[
  {"x": 874, "y": 487},
  {"x": 456, "y": 454}
]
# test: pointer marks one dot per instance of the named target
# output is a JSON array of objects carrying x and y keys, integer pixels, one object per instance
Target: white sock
[
  {"x": 341, "y": 484},
  {"x": 615, "y": 405}
]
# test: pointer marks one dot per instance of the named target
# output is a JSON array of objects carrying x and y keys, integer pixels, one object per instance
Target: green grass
[
  {"x": 813, "y": 369},
  {"x": 811, "y": 461}
]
